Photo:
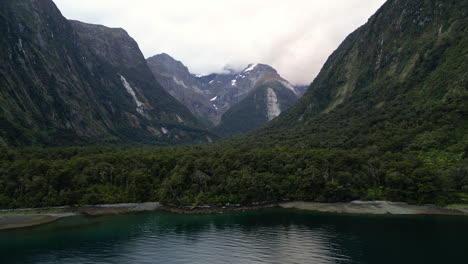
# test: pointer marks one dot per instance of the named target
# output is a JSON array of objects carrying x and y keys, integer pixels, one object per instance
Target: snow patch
[
  {"x": 140, "y": 106},
  {"x": 212, "y": 81},
  {"x": 214, "y": 98},
  {"x": 215, "y": 107},
  {"x": 234, "y": 82},
  {"x": 250, "y": 68},
  {"x": 164, "y": 130},
  {"x": 273, "y": 108}
]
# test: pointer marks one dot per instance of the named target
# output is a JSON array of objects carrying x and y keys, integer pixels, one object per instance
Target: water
[{"x": 265, "y": 236}]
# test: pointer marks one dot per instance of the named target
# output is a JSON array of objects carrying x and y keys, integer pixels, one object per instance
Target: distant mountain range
[{"x": 234, "y": 102}]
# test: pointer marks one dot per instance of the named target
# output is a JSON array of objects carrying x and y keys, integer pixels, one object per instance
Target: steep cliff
[
  {"x": 66, "y": 82},
  {"x": 182, "y": 85}
]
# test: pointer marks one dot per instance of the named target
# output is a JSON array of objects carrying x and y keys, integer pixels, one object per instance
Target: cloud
[{"x": 295, "y": 37}]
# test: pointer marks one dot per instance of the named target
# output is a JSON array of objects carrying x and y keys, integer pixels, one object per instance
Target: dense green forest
[{"x": 210, "y": 175}]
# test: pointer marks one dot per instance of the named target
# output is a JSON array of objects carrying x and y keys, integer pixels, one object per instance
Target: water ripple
[{"x": 252, "y": 237}]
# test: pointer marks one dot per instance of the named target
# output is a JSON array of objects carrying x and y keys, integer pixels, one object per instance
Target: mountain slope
[
  {"x": 264, "y": 103},
  {"x": 230, "y": 89},
  {"x": 249, "y": 99},
  {"x": 183, "y": 86},
  {"x": 234, "y": 102},
  {"x": 65, "y": 82},
  {"x": 399, "y": 82}
]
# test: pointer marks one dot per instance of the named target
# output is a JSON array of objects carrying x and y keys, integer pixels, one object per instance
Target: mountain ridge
[
  {"x": 222, "y": 97},
  {"x": 62, "y": 85}
]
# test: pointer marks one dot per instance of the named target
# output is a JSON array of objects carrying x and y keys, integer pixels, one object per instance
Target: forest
[{"x": 200, "y": 175}]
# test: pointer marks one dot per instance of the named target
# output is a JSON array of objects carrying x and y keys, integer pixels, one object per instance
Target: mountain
[
  {"x": 399, "y": 83},
  {"x": 181, "y": 84},
  {"x": 248, "y": 99},
  {"x": 231, "y": 88},
  {"x": 234, "y": 102},
  {"x": 67, "y": 82},
  {"x": 267, "y": 100}
]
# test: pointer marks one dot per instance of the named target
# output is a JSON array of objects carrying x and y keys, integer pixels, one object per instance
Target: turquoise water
[{"x": 265, "y": 236}]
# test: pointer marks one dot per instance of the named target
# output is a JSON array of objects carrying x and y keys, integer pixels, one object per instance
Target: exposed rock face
[
  {"x": 273, "y": 106},
  {"x": 250, "y": 98},
  {"x": 67, "y": 82},
  {"x": 230, "y": 89},
  {"x": 263, "y": 104},
  {"x": 222, "y": 99},
  {"x": 182, "y": 85}
]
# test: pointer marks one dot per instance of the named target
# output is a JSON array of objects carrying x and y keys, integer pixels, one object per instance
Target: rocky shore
[
  {"x": 18, "y": 218},
  {"x": 374, "y": 207}
]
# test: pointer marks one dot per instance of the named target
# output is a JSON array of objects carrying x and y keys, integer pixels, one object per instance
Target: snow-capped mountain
[
  {"x": 230, "y": 89},
  {"x": 213, "y": 96}
]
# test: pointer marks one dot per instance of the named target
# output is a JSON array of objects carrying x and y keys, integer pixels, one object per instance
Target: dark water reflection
[{"x": 267, "y": 236}]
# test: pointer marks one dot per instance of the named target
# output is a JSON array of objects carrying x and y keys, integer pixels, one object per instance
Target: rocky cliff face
[
  {"x": 177, "y": 80},
  {"x": 400, "y": 81},
  {"x": 226, "y": 90},
  {"x": 250, "y": 98},
  {"x": 233, "y": 102},
  {"x": 66, "y": 82},
  {"x": 263, "y": 104}
]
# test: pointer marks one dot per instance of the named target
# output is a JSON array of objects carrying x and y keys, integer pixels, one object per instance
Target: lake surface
[{"x": 265, "y": 236}]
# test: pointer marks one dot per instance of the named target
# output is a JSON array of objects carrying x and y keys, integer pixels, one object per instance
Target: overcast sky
[{"x": 294, "y": 36}]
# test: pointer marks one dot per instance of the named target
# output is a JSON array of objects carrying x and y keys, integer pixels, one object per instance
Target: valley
[{"x": 86, "y": 119}]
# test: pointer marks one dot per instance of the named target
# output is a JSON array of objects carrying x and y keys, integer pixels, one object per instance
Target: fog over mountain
[{"x": 294, "y": 37}]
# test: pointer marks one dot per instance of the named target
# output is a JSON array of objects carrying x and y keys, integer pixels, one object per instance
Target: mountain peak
[
  {"x": 259, "y": 67},
  {"x": 176, "y": 79},
  {"x": 162, "y": 56},
  {"x": 165, "y": 64}
]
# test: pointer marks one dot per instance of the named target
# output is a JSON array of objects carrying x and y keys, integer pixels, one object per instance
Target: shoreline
[
  {"x": 374, "y": 208},
  {"x": 201, "y": 210},
  {"x": 30, "y": 217}
]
